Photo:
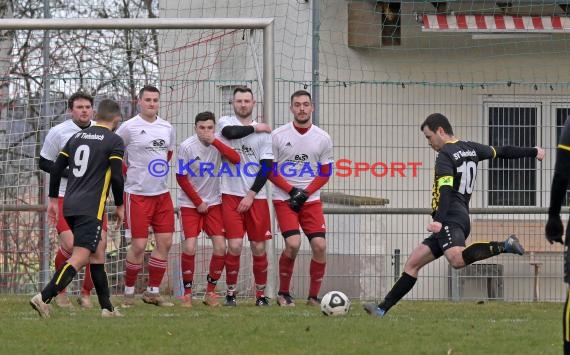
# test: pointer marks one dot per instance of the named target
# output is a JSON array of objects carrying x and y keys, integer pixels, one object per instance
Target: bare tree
[{"x": 101, "y": 62}]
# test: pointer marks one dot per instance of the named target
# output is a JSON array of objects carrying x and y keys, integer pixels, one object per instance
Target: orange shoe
[
  {"x": 211, "y": 299},
  {"x": 186, "y": 301},
  {"x": 156, "y": 299}
]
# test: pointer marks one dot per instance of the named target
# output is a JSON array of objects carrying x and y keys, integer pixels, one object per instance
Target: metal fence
[{"x": 374, "y": 217}]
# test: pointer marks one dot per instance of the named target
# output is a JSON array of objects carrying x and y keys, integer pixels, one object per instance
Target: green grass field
[{"x": 410, "y": 328}]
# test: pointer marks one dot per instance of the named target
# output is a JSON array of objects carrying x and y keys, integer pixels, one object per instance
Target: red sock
[
  {"x": 60, "y": 258},
  {"x": 317, "y": 272},
  {"x": 187, "y": 262},
  {"x": 286, "y": 265},
  {"x": 87, "y": 282},
  {"x": 260, "y": 274},
  {"x": 156, "y": 270},
  {"x": 232, "y": 269},
  {"x": 131, "y": 273},
  {"x": 216, "y": 268}
]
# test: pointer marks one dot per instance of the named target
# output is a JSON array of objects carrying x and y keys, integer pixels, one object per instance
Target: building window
[
  {"x": 512, "y": 182},
  {"x": 226, "y": 92}
]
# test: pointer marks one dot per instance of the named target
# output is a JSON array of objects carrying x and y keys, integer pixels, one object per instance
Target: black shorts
[
  {"x": 86, "y": 231},
  {"x": 451, "y": 235}
]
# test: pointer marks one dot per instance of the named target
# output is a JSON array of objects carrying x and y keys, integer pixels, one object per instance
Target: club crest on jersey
[
  {"x": 159, "y": 143},
  {"x": 299, "y": 159},
  {"x": 246, "y": 150},
  {"x": 156, "y": 145}
]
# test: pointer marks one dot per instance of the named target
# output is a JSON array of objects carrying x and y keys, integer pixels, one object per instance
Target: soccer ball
[{"x": 335, "y": 303}]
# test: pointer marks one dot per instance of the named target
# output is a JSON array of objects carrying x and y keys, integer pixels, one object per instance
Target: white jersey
[
  {"x": 205, "y": 162},
  {"x": 55, "y": 141},
  {"x": 298, "y": 157},
  {"x": 251, "y": 148},
  {"x": 145, "y": 142}
]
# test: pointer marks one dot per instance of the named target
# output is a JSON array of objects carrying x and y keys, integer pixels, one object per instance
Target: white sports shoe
[
  {"x": 40, "y": 306},
  {"x": 105, "y": 313}
]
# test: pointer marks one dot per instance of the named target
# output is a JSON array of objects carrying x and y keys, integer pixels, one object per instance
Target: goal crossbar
[
  {"x": 265, "y": 24},
  {"x": 138, "y": 23}
]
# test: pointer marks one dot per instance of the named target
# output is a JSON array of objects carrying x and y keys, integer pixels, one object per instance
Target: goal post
[
  {"x": 265, "y": 79},
  {"x": 265, "y": 24}
]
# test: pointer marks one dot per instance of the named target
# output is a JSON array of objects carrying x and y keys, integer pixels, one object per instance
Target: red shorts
[
  {"x": 311, "y": 218},
  {"x": 143, "y": 212},
  {"x": 255, "y": 221},
  {"x": 62, "y": 225},
  {"x": 193, "y": 222}
]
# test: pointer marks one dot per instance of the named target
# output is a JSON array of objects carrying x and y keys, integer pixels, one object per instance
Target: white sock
[
  {"x": 153, "y": 289},
  {"x": 129, "y": 290}
]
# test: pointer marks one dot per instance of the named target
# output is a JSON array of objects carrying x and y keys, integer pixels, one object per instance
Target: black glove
[
  {"x": 554, "y": 229},
  {"x": 298, "y": 198}
]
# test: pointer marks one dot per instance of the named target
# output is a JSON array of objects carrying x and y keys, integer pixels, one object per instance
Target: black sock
[
  {"x": 58, "y": 282},
  {"x": 481, "y": 251},
  {"x": 404, "y": 284},
  {"x": 187, "y": 285},
  {"x": 101, "y": 284},
  {"x": 211, "y": 280}
]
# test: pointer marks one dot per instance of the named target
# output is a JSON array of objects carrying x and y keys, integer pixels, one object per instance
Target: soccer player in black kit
[
  {"x": 94, "y": 156},
  {"x": 554, "y": 227},
  {"x": 454, "y": 179}
]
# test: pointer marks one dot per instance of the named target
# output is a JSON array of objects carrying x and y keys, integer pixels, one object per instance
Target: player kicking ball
[{"x": 454, "y": 180}]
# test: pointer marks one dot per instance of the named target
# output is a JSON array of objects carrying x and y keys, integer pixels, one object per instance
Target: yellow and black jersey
[
  {"x": 90, "y": 155},
  {"x": 456, "y": 167}
]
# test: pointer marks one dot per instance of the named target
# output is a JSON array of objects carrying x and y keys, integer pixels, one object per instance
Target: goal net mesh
[{"x": 376, "y": 70}]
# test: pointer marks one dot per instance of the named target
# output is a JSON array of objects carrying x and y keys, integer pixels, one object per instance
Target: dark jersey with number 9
[
  {"x": 88, "y": 154},
  {"x": 456, "y": 166}
]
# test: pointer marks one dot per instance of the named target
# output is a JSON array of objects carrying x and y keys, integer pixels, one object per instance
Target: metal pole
[
  {"x": 138, "y": 23},
  {"x": 45, "y": 252},
  {"x": 268, "y": 114},
  {"x": 315, "y": 61},
  {"x": 353, "y": 210},
  {"x": 397, "y": 255}
]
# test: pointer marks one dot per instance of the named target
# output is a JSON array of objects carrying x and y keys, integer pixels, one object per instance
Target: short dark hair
[
  {"x": 107, "y": 110},
  {"x": 242, "y": 89},
  {"x": 149, "y": 88},
  {"x": 77, "y": 96},
  {"x": 300, "y": 93},
  {"x": 205, "y": 116},
  {"x": 436, "y": 120}
]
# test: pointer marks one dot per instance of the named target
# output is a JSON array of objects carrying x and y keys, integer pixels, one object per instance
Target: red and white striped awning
[{"x": 495, "y": 24}]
